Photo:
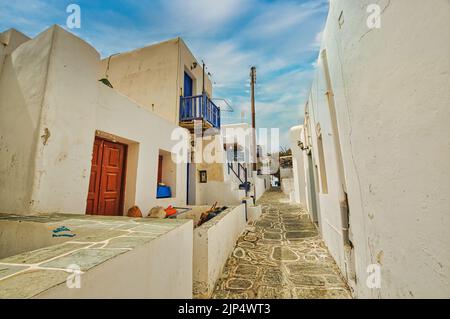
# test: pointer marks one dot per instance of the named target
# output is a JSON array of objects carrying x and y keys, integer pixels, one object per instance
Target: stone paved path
[{"x": 280, "y": 256}]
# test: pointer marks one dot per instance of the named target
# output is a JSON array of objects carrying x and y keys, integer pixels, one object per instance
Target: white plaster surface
[
  {"x": 298, "y": 165},
  {"x": 160, "y": 269},
  {"x": 213, "y": 243},
  {"x": 254, "y": 212},
  {"x": 50, "y": 86},
  {"x": 390, "y": 87}
]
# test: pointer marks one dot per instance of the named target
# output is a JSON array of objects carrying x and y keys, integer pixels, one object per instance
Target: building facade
[
  {"x": 107, "y": 129},
  {"x": 81, "y": 136},
  {"x": 72, "y": 144},
  {"x": 375, "y": 147}
]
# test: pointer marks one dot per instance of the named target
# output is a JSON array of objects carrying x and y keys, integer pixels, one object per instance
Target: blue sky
[{"x": 281, "y": 38}]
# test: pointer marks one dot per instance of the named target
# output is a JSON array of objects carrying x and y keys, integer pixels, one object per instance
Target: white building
[
  {"x": 376, "y": 146},
  {"x": 70, "y": 143},
  {"x": 82, "y": 136},
  {"x": 83, "y": 146}
]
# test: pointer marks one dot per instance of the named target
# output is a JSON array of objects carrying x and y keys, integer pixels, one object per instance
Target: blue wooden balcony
[{"x": 201, "y": 108}]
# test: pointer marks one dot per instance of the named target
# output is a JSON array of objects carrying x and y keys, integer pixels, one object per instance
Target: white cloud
[
  {"x": 16, "y": 14},
  {"x": 204, "y": 13},
  {"x": 277, "y": 18},
  {"x": 281, "y": 38},
  {"x": 318, "y": 39}
]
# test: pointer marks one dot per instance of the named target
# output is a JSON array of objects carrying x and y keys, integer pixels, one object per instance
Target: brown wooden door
[
  {"x": 94, "y": 183},
  {"x": 160, "y": 163},
  {"x": 106, "y": 184}
]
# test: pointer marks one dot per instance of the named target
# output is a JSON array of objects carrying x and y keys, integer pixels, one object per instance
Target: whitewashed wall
[
  {"x": 159, "y": 269},
  {"x": 214, "y": 242},
  {"x": 298, "y": 165},
  {"x": 22, "y": 85},
  {"x": 392, "y": 100},
  {"x": 52, "y": 106}
]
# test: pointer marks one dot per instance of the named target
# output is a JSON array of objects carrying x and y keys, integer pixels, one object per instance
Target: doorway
[
  {"x": 107, "y": 180},
  {"x": 188, "y": 85},
  {"x": 191, "y": 183},
  {"x": 311, "y": 179}
]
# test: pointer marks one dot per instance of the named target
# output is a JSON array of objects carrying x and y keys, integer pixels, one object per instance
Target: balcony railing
[{"x": 199, "y": 107}]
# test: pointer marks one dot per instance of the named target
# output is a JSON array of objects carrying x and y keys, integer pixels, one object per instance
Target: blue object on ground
[
  {"x": 60, "y": 229},
  {"x": 163, "y": 192},
  {"x": 64, "y": 235}
]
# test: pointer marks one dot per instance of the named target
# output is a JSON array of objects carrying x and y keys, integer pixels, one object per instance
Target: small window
[{"x": 203, "y": 177}]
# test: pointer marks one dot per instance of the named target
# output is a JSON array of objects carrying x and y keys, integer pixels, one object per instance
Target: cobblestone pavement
[{"x": 280, "y": 256}]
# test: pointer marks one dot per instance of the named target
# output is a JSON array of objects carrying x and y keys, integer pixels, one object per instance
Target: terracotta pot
[{"x": 134, "y": 212}]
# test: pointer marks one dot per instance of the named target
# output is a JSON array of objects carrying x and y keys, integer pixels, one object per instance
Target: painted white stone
[
  {"x": 214, "y": 242},
  {"x": 52, "y": 107},
  {"x": 390, "y": 87},
  {"x": 254, "y": 212}
]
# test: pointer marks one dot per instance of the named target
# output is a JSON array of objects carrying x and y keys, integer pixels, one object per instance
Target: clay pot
[{"x": 134, "y": 212}]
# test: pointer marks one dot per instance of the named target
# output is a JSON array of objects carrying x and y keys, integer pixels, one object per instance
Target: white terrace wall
[
  {"x": 160, "y": 269},
  {"x": 262, "y": 183},
  {"x": 52, "y": 105},
  {"x": 391, "y": 96},
  {"x": 214, "y": 242}
]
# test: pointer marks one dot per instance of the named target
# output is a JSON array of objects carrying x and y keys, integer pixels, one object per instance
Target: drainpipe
[
  {"x": 203, "y": 84},
  {"x": 252, "y": 84}
]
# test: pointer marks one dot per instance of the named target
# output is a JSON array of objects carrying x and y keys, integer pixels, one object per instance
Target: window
[{"x": 203, "y": 177}]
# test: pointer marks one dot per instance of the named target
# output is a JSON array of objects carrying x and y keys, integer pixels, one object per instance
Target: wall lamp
[
  {"x": 302, "y": 146},
  {"x": 194, "y": 65}
]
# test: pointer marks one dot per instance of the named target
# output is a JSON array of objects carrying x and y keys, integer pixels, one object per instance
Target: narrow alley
[
  {"x": 280, "y": 256},
  {"x": 187, "y": 149}
]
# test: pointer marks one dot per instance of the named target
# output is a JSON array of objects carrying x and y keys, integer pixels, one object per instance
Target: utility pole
[{"x": 252, "y": 83}]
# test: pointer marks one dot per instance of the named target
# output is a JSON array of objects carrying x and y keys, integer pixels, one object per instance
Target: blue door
[
  {"x": 187, "y": 109},
  {"x": 187, "y": 85}
]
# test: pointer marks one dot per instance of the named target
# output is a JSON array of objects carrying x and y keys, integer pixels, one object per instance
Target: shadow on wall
[{"x": 20, "y": 103}]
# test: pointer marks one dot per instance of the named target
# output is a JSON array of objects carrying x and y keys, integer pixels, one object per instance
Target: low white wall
[
  {"x": 260, "y": 185},
  {"x": 287, "y": 185},
  {"x": 286, "y": 173},
  {"x": 253, "y": 212},
  {"x": 19, "y": 237},
  {"x": 160, "y": 269},
  {"x": 214, "y": 242}
]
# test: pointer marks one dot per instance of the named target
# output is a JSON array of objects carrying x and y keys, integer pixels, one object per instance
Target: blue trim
[
  {"x": 188, "y": 85},
  {"x": 199, "y": 107}
]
